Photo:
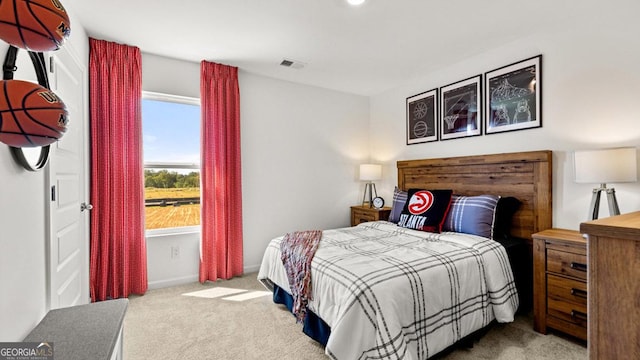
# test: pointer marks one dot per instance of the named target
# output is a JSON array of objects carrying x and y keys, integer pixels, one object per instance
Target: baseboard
[
  {"x": 252, "y": 268},
  {"x": 173, "y": 282},
  {"x": 190, "y": 279}
]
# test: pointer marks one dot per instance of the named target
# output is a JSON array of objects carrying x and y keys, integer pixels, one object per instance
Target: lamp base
[
  {"x": 371, "y": 189},
  {"x": 594, "y": 208}
]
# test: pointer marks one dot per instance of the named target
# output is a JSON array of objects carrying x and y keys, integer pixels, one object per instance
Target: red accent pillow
[{"x": 425, "y": 210}]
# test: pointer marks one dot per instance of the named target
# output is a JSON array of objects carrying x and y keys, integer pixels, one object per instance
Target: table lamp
[
  {"x": 369, "y": 173},
  {"x": 605, "y": 166}
]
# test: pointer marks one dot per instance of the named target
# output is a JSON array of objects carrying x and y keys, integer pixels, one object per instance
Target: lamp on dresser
[
  {"x": 605, "y": 166},
  {"x": 369, "y": 173}
]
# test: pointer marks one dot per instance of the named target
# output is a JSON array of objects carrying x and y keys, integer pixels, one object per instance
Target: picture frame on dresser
[
  {"x": 461, "y": 109},
  {"x": 514, "y": 96},
  {"x": 422, "y": 112}
]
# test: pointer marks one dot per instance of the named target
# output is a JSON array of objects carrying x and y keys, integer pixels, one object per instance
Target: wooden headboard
[{"x": 523, "y": 175}]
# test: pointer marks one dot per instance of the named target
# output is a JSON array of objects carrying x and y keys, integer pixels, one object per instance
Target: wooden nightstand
[
  {"x": 360, "y": 214},
  {"x": 560, "y": 282}
]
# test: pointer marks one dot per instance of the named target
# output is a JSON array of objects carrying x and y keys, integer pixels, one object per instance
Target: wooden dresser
[
  {"x": 614, "y": 286},
  {"x": 560, "y": 282}
]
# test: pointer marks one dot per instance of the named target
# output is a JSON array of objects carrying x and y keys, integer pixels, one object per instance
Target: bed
[{"x": 381, "y": 291}]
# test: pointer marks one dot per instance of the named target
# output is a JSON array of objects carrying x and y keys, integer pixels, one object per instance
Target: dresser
[
  {"x": 360, "y": 214},
  {"x": 560, "y": 282},
  {"x": 614, "y": 286}
]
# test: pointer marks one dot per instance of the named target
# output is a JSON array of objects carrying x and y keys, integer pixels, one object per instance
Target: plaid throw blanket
[{"x": 297, "y": 250}]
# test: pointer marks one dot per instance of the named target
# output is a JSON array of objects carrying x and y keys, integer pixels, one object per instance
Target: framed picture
[
  {"x": 460, "y": 109},
  {"x": 421, "y": 117},
  {"x": 513, "y": 99}
]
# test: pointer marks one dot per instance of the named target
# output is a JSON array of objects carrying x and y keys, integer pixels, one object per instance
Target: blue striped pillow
[
  {"x": 399, "y": 199},
  {"x": 472, "y": 215}
]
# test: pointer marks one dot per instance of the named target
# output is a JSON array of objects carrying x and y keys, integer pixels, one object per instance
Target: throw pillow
[
  {"x": 507, "y": 207},
  {"x": 425, "y": 210},
  {"x": 399, "y": 199},
  {"x": 472, "y": 215}
]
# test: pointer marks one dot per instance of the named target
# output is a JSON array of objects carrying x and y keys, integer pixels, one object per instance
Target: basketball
[
  {"x": 30, "y": 115},
  {"x": 35, "y": 25}
]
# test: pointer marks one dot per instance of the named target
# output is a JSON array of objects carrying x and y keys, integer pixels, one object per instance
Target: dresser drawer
[
  {"x": 568, "y": 290},
  {"x": 566, "y": 263}
]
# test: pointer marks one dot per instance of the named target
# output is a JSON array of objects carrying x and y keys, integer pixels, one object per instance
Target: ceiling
[{"x": 362, "y": 50}]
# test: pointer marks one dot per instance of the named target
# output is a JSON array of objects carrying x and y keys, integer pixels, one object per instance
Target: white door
[{"x": 68, "y": 180}]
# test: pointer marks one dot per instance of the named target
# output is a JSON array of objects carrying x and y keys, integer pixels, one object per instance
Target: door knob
[{"x": 85, "y": 206}]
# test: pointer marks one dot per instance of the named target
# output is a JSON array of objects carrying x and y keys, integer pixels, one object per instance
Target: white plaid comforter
[{"x": 394, "y": 293}]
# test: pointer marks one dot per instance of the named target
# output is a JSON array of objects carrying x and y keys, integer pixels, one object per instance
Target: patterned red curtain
[
  {"x": 118, "y": 251},
  {"x": 221, "y": 247}
]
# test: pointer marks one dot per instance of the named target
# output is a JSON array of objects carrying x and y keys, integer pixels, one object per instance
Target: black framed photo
[
  {"x": 460, "y": 109},
  {"x": 421, "y": 117},
  {"x": 513, "y": 99}
]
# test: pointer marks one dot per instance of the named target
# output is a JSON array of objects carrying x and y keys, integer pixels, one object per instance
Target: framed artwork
[
  {"x": 421, "y": 117},
  {"x": 513, "y": 99},
  {"x": 460, "y": 109}
]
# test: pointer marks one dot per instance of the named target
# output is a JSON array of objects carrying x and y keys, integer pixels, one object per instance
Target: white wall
[
  {"x": 590, "y": 88},
  {"x": 23, "y": 232},
  {"x": 166, "y": 268},
  {"x": 22, "y": 246},
  {"x": 301, "y": 147},
  {"x": 170, "y": 76}
]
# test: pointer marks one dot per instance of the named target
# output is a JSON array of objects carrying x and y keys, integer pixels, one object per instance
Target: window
[{"x": 171, "y": 147}]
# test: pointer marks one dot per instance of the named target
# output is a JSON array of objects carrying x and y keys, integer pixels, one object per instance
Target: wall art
[
  {"x": 422, "y": 117},
  {"x": 460, "y": 109},
  {"x": 513, "y": 100}
]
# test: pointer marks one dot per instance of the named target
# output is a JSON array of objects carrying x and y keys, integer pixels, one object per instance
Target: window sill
[{"x": 185, "y": 230}]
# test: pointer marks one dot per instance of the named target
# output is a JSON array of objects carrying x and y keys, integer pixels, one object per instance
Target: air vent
[{"x": 294, "y": 64}]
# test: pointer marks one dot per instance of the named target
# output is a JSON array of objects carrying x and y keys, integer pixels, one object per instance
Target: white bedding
[{"x": 394, "y": 293}]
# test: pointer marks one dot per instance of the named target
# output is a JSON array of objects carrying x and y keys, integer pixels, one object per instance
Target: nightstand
[
  {"x": 360, "y": 214},
  {"x": 560, "y": 282}
]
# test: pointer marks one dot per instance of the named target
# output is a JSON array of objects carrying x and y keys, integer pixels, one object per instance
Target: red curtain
[
  {"x": 221, "y": 247},
  {"x": 118, "y": 251}
]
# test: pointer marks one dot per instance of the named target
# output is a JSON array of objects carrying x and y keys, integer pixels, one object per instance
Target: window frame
[{"x": 182, "y": 230}]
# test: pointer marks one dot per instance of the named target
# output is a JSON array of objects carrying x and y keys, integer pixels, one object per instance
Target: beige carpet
[{"x": 164, "y": 324}]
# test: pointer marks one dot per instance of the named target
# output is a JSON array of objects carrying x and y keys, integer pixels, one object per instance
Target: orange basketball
[
  {"x": 36, "y": 25},
  {"x": 30, "y": 115}
]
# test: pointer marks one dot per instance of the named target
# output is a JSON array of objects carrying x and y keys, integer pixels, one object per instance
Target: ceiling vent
[{"x": 294, "y": 64}]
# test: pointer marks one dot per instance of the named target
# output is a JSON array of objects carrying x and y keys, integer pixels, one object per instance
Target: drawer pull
[
  {"x": 578, "y": 315},
  {"x": 579, "y": 293},
  {"x": 578, "y": 266}
]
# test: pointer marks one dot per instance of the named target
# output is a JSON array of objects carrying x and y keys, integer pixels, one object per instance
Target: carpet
[
  {"x": 173, "y": 323},
  {"x": 223, "y": 292}
]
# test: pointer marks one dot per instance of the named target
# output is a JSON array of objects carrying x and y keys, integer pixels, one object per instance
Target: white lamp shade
[
  {"x": 606, "y": 166},
  {"x": 370, "y": 172}
]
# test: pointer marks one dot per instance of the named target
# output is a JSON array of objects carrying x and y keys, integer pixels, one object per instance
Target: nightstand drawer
[
  {"x": 361, "y": 216},
  {"x": 570, "y": 312},
  {"x": 559, "y": 278},
  {"x": 564, "y": 289},
  {"x": 565, "y": 263}
]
